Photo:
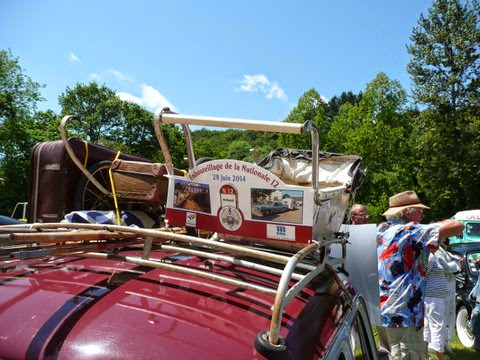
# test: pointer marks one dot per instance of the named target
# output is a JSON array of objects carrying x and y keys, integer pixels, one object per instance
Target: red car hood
[{"x": 76, "y": 308}]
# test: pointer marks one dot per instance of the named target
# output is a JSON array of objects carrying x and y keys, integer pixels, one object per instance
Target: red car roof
[{"x": 91, "y": 308}]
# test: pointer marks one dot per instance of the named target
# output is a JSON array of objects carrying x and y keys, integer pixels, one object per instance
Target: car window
[
  {"x": 361, "y": 347},
  {"x": 473, "y": 229},
  {"x": 473, "y": 261}
]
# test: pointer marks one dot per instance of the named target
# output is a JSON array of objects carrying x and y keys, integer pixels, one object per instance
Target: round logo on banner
[{"x": 230, "y": 218}]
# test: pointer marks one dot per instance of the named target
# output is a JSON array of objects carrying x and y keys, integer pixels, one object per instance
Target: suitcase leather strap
[
  {"x": 85, "y": 161},
  {"x": 117, "y": 212}
]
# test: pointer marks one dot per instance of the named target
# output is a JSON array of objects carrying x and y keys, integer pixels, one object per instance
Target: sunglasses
[{"x": 360, "y": 215}]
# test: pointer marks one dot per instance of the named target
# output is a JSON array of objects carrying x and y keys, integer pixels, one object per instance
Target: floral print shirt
[{"x": 402, "y": 250}]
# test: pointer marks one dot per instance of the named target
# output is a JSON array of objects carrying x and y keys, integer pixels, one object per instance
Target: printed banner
[{"x": 242, "y": 199}]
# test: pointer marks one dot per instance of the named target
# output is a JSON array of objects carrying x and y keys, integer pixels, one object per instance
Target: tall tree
[
  {"x": 118, "y": 124},
  {"x": 20, "y": 129},
  {"x": 336, "y": 102},
  {"x": 445, "y": 70},
  {"x": 311, "y": 107},
  {"x": 445, "y": 56},
  {"x": 99, "y": 109},
  {"x": 377, "y": 129},
  {"x": 239, "y": 150}
]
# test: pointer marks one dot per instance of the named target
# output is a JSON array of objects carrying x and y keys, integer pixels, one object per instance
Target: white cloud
[
  {"x": 120, "y": 76},
  {"x": 129, "y": 97},
  {"x": 95, "y": 77},
  {"x": 151, "y": 98},
  {"x": 73, "y": 58},
  {"x": 260, "y": 83},
  {"x": 254, "y": 83},
  {"x": 277, "y": 92}
]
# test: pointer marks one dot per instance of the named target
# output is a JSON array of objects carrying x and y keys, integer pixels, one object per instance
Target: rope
[
  {"x": 86, "y": 154},
  {"x": 117, "y": 212}
]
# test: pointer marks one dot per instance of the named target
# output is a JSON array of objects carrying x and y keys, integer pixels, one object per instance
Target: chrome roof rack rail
[{"x": 87, "y": 238}]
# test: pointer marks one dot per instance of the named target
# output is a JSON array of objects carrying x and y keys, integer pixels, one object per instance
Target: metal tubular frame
[
  {"x": 64, "y": 136},
  {"x": 284, "y": 293},
  {"x": 166, "y": 116}
]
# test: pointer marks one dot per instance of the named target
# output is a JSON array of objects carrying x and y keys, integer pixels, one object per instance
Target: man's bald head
[{"x": 359, "y": 214}]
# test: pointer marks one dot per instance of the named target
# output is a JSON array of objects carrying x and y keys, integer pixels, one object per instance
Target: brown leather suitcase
[
  {"x": 140, "y": 181},
  {"x": 54, "y": 176}
]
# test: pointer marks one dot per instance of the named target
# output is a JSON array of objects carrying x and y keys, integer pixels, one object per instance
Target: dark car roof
[{"x": 91, "y": 308}]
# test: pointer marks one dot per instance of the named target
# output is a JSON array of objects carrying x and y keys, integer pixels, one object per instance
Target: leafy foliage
[
  {"x": 445, "y": 63},
  {"x": 20, "y": 129},
  {"x": 310, "y": 107},
  {"x": 120, "y": 125},
  {"x": 445, "y": 69},
  {"x": 377, "y": 129},
  {"x": 234, "y": 144}
]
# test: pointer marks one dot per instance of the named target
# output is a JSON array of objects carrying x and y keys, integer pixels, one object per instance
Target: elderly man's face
[
  {"x": 415, "y": 214},
  {"x": 359, "y": 215}
]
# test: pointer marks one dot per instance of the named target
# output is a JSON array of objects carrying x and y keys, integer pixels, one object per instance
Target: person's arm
[
  {"x": 450, "y": 228},
  {"x": 450, "y": 267}
]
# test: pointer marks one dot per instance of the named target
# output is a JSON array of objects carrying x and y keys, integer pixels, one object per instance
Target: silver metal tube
[
  {"x": 242, "y": 250},
  {"x": 190, "y": 152},
  {"x": 231, "y": 260},
  {"x": 277, "y": 311},
  {"x": 295, "y": 289},
  {"x": 163, "y": 143},
  {"x": 310, "y": 126},
  {"x": 259, "y": 125},
  {"x": 64, "y": 136},
  {"x": 184, "y": 270}
]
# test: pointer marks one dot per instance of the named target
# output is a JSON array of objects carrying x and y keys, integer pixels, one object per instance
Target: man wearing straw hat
[{"x": 403, "y": 246}]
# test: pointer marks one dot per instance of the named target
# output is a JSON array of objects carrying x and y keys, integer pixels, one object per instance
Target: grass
[{"x": 460, "y": 352}]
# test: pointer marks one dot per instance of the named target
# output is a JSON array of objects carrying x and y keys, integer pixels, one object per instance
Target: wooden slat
[{"x": 57, "y": 237}]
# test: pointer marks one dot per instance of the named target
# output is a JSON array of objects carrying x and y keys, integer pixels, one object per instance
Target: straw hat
[{"x": 402, "y": 201}]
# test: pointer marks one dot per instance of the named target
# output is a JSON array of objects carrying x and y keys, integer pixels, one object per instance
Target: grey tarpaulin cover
[{"x": 295, "y": 167}]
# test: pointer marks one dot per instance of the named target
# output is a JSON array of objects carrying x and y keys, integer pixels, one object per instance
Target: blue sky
[{"x": 244, "y": 59}]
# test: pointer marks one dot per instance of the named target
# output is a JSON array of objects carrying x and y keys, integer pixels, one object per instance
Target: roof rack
[{"x": 36, "y": 241}]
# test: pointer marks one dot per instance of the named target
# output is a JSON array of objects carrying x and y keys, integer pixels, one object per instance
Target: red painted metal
[{"x": 78, "y": 308}]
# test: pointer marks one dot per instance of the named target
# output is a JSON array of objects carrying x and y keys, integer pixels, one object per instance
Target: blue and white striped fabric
[{"x": 129, "y": 218}]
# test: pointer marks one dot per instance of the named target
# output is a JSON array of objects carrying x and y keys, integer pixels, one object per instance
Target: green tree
[
  {"x": 445, "y": 70},
  {"x": 99, "y": 110},
  {"x": 206, "y": 145},
  {"x": 118, "y": 124},
  {"x": 445, "y": 56},
  {"x": 377, "y": 129},
  {"x": 20, "y": 128},
  {"x": 336, "y": 102},
  {"x": 311, "y": 107},
  {"x": 239, "y": 150}
]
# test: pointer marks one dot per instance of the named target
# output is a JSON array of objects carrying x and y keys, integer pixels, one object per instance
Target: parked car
[
  {"x": 84, "y": 308},
  {"x": 273, "y": 207},
  {"x": 471, "y": 233},
  {"x": 466, "y": 280},
  {"x": 235, "y": 287}
]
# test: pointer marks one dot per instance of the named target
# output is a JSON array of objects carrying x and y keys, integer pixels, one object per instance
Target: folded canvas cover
[{"x": 295, "y": 167}]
